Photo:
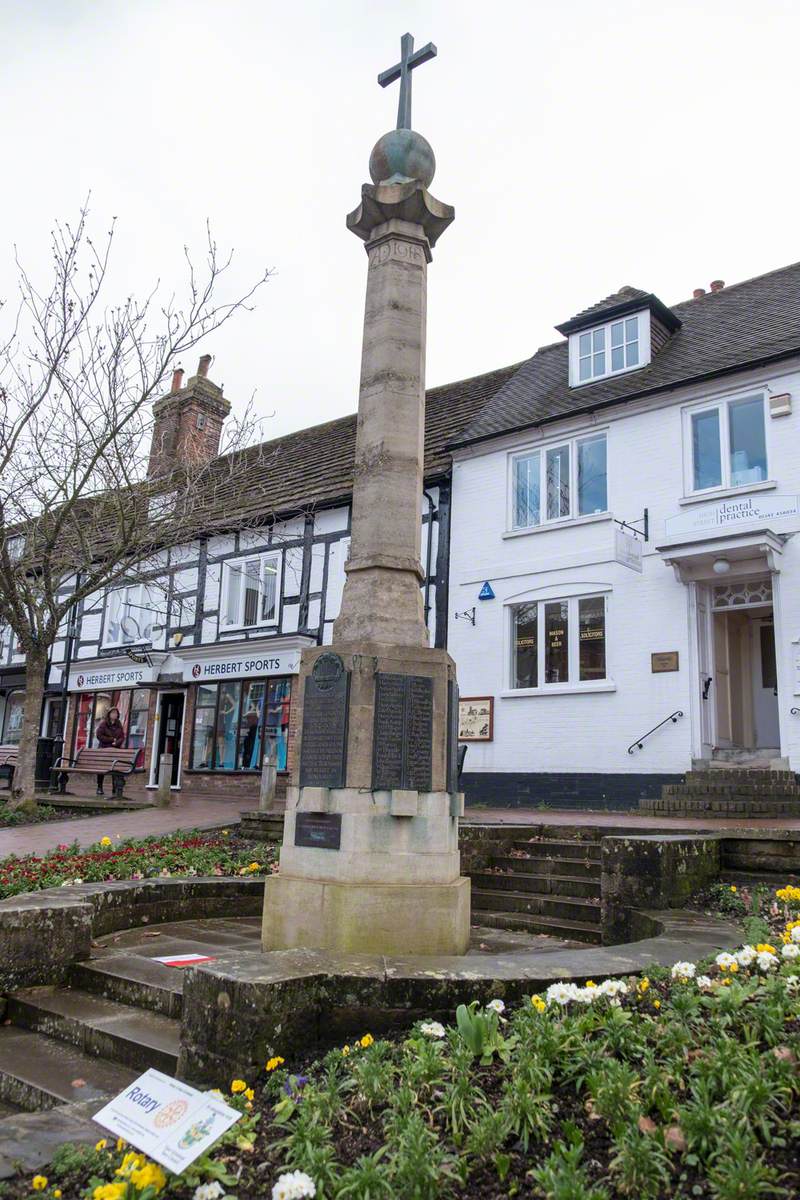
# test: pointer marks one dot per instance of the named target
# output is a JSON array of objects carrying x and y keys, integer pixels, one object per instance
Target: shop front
[
  {"x": 12, "y": 705},
  {"x": 96, "y": 688}
]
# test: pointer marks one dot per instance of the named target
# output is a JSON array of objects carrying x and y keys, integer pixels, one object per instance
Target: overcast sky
[{"x": 584, "y": 145}]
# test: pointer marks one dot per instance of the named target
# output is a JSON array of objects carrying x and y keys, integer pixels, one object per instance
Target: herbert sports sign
[
  {"x": 91, "y": 679},
  {"x": 242, "y": 666}
]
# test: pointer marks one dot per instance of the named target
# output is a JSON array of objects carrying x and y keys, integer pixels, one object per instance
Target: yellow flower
[
  {"x": 39, "y": 1183},
  {"x": 765, "y": 948},
  {"x": 590, "y": 983},
  {"x": 131, "y": 1162},
  {"x": 150, "y": 1175},
  {"x": 539, "y": 1004},
  {"x": 249, "y": 1105},
  {"x": 656, "y": 1004},
  {"x": 249, "y": 1094},
  {"x": 121, "y": 1143},
  {"x": 57, "y": 1194},
  {"x": 366, "y": 1040},
  {"x": 733, "y": 887},
  {"x": 110, "y": 1191},
  {"x": 225, "y": 832},
  {"x": 734, "y": 967},
  {"x": 105, "y": 841},
  {"x": 277, "y": 1061},
  {"x": 643, "y": 985},
  {"x": 345, "y": 1051},
  {"x": 101, "y": 1145},
  {"x": 254, "y": 866},
  {"x": 238, "y": 1085}
]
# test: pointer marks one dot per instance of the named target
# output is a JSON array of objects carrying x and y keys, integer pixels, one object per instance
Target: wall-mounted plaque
[
  {"x": 402, "y": 736},
  {"x": 322, "y": 831},
  {"x": 664, "y": 660},
  {"x": 323, "y": 744},
  {"x": 476, "y": 718}
]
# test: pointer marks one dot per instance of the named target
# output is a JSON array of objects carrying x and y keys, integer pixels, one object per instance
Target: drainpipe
[{"x": 432, "y": 512}]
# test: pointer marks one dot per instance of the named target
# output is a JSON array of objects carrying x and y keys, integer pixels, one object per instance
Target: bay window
[
  {"x": 559, "y": 482},
  {"x": 250, "y": 591},
  {"x": 559, "y": 642},
  {"x": 727, "y": 444}
]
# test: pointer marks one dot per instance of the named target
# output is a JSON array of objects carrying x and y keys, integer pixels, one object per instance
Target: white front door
[
  {"x": 705, "y": 670},
  {"x": 765, "y": 683}
]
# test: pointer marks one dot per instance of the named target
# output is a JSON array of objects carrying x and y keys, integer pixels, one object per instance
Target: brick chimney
[
  {"x": 187, "y": 422},
  {"x": 717, "y": 285},
  {"x": 698, "y": 292}
]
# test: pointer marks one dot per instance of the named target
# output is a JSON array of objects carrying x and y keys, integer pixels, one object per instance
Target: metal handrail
[{"x": 639, "y": 743}]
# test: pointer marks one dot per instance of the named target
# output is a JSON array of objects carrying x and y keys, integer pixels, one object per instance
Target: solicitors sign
[{"x": 726, "y": 513}]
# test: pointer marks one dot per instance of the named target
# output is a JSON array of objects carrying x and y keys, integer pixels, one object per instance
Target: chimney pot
[
  {"x": 177, "y": 379},
  {"x": 204, "y": 364},
  {"x": 717, "y": 285},
  {"x": 698, "y": 292}
]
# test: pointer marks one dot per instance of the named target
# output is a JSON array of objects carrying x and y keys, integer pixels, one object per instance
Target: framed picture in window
[{"x": 475, "y": 718}]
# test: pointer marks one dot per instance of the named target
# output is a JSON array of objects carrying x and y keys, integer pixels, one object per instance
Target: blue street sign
[{"x": 486, "y": 592}]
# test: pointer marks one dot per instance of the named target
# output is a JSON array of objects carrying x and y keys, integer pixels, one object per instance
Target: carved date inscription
[
  {"x": 402, "y": 746},
  {"x": 323, "y": 745}
]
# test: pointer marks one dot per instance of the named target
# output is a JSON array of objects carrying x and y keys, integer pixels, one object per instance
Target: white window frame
[
  {"x": 722, "y": 406},
  {"x": 138, "y": 597},
  {"x": 574, "y": 683},
  {"x": 542, "y": 450},
  {"x": 643, "y": 318},
  {"x": 239, "y": 564}
]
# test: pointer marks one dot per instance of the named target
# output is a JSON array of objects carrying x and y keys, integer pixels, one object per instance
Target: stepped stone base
[
  {"x": 728, "y": 791},
  {"x": 261, "y": 826}
]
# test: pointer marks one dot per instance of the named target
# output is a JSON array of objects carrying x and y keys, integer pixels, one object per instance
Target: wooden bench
[
  {"x": 111, "y": 761},
  {"x": 8, "y": 761}
]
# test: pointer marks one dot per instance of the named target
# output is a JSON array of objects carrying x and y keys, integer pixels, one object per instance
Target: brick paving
[{"x": 196, "y": 814}]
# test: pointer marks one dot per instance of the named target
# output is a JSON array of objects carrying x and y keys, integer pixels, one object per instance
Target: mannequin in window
[{"x": 250, "y": 741}]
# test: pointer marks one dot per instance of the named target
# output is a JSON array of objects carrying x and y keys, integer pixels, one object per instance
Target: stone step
[
  {"x": 685, "y": 806},
  {"x": 733, "y": 791},
  {"x": 497, "y": 900},
  {"x": 557, "y": 848},
  {"x": 7, "y": 1109},
  {"x": 134, "y": 980},
  {"x": 99, "y": 1027},
  {"x": 742, "y": 775},
  {"x": 37, "y": 1072},
  {"x": 541, "y": 867},
  {"x": 544, "y": 885},
  {"x": 573, "y": 931},
  {"x": 775, "y": 879}
]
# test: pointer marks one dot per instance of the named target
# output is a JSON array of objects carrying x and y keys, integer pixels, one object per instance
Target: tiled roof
[
  {"x": 315, "y": 466},
  {"x": 616, "y": 298},
  {"x": 724, "y": 331}
]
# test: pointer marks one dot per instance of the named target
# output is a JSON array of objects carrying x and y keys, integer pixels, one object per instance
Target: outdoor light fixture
[{"x": 721, "y": 566}]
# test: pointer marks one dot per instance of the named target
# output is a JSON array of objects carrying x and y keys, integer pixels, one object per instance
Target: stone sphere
[{"x": 400, "y": 155}]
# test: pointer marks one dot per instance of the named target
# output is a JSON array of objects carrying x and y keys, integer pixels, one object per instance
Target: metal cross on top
[{"x": 402, "y": 71}]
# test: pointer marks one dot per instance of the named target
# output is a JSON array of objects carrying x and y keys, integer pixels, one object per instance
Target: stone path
[{"x": 197, "y": 814}]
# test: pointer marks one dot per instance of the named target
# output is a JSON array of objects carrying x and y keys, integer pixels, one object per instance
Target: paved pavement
[{"x": 196, "y": 814}]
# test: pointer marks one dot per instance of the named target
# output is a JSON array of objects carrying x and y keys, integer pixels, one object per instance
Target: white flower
[
  {"x": 791, "y": 950},
  {"x": 792, "y": 983},
  {"x": 746, "y": 956},
  {"x": 294, "y": 1185},
  {"x": 560, "y": 993},
  {"x": 209, "y": 1191},
  {"x": 497, "y": 1006},
  {"x": 795, "y": 934},
  {"x": 703, "y": 982},
  {"x": 723, "y": 961},
  {"x": 585, "y": 995},
  {"x": 612, "y": 987},
  {"x": 686, "y": 970},
  {"x": 767, "y": 961},
  {"x": 432, "y": 1029}
]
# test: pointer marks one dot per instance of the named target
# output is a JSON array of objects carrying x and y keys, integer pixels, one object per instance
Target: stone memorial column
[{"x": 370, "y": 857}]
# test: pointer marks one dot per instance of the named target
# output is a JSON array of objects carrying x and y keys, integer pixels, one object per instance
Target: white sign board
[
  {"x": 627, "y": 550},
  {"x": 725, "y": 513},
  {"x": 127, "y": 675},
  {"x": 242, "y": 666},
  {"x": 166, "y": 1119}
]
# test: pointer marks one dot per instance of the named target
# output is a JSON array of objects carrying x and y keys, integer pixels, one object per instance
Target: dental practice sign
[
  {"x": 166, "y": 1119},
  {"x": 712, "y": 518}
]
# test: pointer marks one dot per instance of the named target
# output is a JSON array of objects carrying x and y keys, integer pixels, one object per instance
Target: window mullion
[
  {"x": 725, "y": 443},
  {"x": 540, "y": 640}
]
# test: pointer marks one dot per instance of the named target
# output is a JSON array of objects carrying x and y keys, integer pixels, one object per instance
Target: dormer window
[
  {"x": 609, "y": 349},
  {"x": 621, "y": 333}
]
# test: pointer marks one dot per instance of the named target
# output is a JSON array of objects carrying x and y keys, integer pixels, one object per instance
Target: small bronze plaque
[
  {"x": 664, "y": 660},
  {"x": 322, "y": 831},
  {"x": 402, "y": 736}
]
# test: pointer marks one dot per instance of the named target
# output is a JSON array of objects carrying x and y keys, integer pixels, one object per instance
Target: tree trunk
[{"x": 23, "y": 794}]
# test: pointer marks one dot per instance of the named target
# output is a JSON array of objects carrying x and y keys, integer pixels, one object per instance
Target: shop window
[
  {"x": 572, "y": 479},
  {"x": 727, "y": 444},
  {"x": 133, "y": 708},
  {"x": 572, "y": 645},
  {"x": 12, "y": 718},
  {"x": 250, "y": 591},
  {"x": 235, "y": 721}
]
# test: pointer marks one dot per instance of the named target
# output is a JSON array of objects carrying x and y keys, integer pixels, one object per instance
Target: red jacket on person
[{"x": 109, "y": 734}]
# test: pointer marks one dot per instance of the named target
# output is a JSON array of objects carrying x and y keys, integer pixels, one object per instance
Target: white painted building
[{"x": 605, "y": 660}]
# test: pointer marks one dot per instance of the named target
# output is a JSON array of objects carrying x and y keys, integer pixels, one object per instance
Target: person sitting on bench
[{"x": 110, "y": 732}]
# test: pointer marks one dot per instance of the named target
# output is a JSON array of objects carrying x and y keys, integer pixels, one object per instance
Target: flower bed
[
  {"x": 763, "y": 911},
  {"x": 193, "y": 853},
  {"x": 683, "y": 1084}
]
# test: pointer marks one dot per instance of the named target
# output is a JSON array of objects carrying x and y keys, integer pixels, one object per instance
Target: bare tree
[{"x": 78, "y": 511}]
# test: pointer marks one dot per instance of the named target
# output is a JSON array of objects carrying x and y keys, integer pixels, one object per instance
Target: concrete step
[
  {"x": 498, "y": 900},
  {"x": 37, "y": 1072},
  {"x": 573, "y": 931},
  {"x": 99, "y": 1027},
  {"x": 543, "y": 885},
  {"x": 541, "y": 867},
  {"x": 557, "y": 848},
  {"x": 134, "y": 980},
  {"x": 774, "y": 879},
  {"x": 691, "y": 806},
  {"x": 742, "y": 775},
  {"x": 731, "y": 791}
]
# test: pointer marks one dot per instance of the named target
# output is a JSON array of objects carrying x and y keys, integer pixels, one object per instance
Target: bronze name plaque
[
  {"x": 402, "y": 738},
  {"x": 322, "y": 831},
  {"x": 664, "y": 660},
  {"x": 323, "y": 745}
]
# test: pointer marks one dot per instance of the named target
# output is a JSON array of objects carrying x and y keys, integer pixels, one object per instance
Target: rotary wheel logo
[
  {"x": 197, "y": 670},
  {"x": 79, "y": 681},
  {"x": 171, "y": 1113}
]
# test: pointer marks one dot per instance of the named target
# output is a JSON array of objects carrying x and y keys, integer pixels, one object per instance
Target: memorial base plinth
[{"x": 366, "y": 918}]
